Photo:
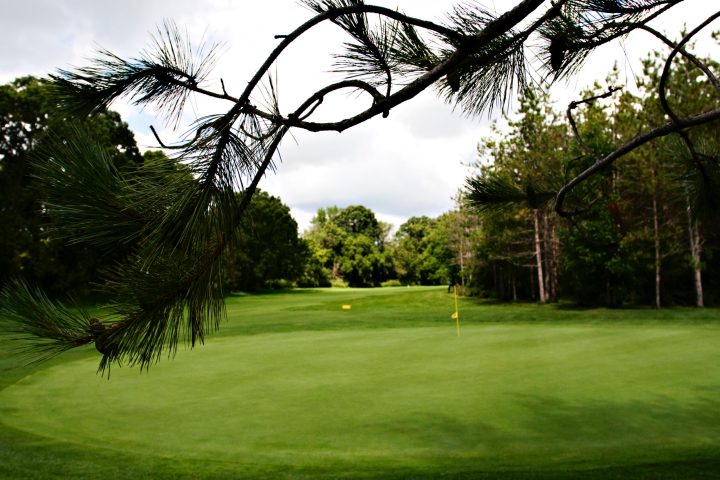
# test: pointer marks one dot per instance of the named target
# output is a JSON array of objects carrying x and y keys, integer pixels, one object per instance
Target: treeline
[
  {"x": 350, "y": 246},
  {"x": 345, "y": 246},
  {"x": 643, "y": 231},
  {"x": 29, "y": 245}
]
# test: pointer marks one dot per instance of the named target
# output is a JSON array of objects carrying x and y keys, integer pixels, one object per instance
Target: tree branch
[
  {"x": 574, "y": 104},
  {"x": 664, "y": 130},
  {"x": 663, "y": 96},
  {"x": 695, "y": 61}
]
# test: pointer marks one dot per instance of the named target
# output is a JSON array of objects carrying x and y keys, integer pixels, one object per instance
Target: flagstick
[{"x": 457, "y": 314}]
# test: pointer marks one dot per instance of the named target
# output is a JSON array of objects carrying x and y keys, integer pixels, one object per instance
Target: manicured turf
[{"x": 295, "y": 387}]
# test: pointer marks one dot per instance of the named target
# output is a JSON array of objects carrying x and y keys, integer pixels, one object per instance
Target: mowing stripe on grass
[{"x": 499, "y": 396}]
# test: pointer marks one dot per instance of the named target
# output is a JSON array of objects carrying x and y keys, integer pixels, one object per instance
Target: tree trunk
[
  {"x": 462, "y": 262},
  {"x": 555, "y": 248},
  {"x": 538, "y": 257},
  {"x": 495, "y": 278},
  {"x": 551, "y": 257},
  {"x": 656, "y": 234},
  {"x": 532, "y": 283},
  {"x": 695, "y": 253}
]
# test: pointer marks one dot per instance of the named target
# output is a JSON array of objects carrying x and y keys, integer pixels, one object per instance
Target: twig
[
  {"x": 576, "y": 103},
  {"x": 663, "y": 96}
]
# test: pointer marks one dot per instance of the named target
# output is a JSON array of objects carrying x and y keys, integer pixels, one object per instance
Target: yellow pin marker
[
  {"x": 346, "y": 307},
  {"x": 456, "y": 316}
]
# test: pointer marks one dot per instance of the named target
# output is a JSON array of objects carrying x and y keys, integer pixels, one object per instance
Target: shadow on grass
[
  {"x": 27, "y": 456},
  {"x": 605, "y": 424},
  {"x": 275, "y": 291}
]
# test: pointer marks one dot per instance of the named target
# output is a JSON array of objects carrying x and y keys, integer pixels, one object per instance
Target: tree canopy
[
  {"x": 168, "y": 289},
  {"x": 629, "y": 243},
  {"x": 268, "y": 250},
  {"x": 30, "y": 123},
  {"x": 349, "y": 243}
]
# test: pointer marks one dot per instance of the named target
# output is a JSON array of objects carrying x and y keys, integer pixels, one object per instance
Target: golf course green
[{"x": 295, "y": 386}]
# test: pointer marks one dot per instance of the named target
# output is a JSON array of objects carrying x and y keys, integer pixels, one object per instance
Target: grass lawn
[{"x": 295, "y": 387}]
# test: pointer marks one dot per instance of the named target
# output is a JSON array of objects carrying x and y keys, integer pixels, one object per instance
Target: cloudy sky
[{"x": 411, "y": 163}]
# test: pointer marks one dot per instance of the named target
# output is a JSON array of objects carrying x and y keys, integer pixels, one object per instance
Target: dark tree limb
[
  {"x": 585, "y": 101},
  {"x": 662, "y": 88},
  {"x": 664, "y": 130}
]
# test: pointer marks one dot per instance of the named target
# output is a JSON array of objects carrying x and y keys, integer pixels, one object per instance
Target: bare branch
[
  {"x": 664, "y": 130},
  {"x": 692, "y": 58},
  {"x": 671, "y": 57},
  {"x": 663, "y": 96},
  {"x": 574, "y": 104}
]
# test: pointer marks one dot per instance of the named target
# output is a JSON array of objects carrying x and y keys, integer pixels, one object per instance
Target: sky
[{"x": 409, "y": 164}]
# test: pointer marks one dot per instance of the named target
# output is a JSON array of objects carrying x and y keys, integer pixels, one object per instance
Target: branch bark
[{"x": 664, "y": 130}]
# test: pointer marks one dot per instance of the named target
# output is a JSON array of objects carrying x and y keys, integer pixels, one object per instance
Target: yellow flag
[{"x": 456, "y": 315}]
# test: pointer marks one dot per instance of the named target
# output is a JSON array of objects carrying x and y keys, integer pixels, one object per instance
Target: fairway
[{"x": 296, "y": 387}]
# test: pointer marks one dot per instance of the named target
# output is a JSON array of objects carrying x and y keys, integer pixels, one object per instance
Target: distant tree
[
  {"x": 631, "y": 224},
  {"x": 686, "y": 170},
  {"x": 514, "y": 188},
  {"x": 315, "y": 274},
  {"x": 359, "y": 220},
  {"x": 363, "y": 262},
  {"x": 30, "y": 122},
  {"x": 423, "y": 254},
  {"x": 350, "y": 242},
  {"x": 268, "y": 249},
  {"x": 477, "y": 60},
  {"x": 328, "y": 239}
]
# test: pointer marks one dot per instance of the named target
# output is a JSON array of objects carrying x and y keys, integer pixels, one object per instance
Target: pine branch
[
  {"x": 178, "y": 294},
  {"x": 410, "y": 54},
  {"x": 87, "y": 197},
  {"x": 165, "y": 76},
  {"x": 638, "y": 141},
  {"x": 584, "y": 25},
  {"x": 43, "y": 328},
  {"x": 491, "y": 193}
]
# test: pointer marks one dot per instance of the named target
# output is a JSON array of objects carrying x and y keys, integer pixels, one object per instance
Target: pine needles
[
  {"x": 44, "y": 328},
  {"x": 165, "y": 76}
]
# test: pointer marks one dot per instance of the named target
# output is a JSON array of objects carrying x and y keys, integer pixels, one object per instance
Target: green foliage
[
  {"x": 268, "y": 249},
  {"x": 349, "y": 243},
  {"x": 161, "y": 77},
  {"x": 30, "y": 125},
  {"x": 359, "y": 220},
  {"x": 628, "y": 231},
  {"x": 423, "y": 254},
  {"x": 49, "y": 327},
  {"x": 363, "y": 263},
  {"x": 592, "y": 264}
]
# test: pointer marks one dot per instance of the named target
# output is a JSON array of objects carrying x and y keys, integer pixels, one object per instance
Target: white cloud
[{"x": 404, "y": 165}]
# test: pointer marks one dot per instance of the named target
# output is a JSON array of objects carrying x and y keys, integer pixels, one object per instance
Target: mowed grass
[{"x": 295, "y": 387}]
